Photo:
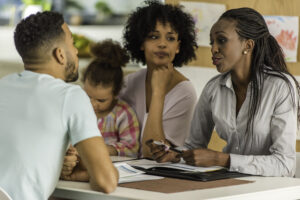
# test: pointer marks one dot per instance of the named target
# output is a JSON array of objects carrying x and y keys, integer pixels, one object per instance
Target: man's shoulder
[
  {"x": 43, "y": 84},
  {"x": 56, "y": 84},
  {"x": 71, "y": 92},
  {"x": 8, "y": 77}
]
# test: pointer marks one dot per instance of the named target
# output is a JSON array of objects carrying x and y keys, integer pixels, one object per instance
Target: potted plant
[
  {"x": 34, "y": 6},
  {"x": 103, "y": 11},
  {"x": 74, "y": 10}
]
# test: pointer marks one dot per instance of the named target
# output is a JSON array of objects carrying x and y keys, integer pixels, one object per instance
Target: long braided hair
[{"x": 267, "y": 57}]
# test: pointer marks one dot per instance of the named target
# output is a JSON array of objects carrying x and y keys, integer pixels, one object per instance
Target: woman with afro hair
[{"x": 161, "y": 36}]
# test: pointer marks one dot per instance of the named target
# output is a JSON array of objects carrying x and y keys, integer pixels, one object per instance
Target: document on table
[
  {"x": 121, "y": 158},
  {"x": 147, "y": 164},
  {"x": 130, "y": 174}
]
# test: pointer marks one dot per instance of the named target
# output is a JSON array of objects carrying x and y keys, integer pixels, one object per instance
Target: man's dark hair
[
  {"x": 142, "y": 21},
  {"x": 37, "y": 33}
]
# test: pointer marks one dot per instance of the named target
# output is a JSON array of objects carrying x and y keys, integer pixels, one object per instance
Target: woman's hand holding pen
[{"x": 161, "y": 153}]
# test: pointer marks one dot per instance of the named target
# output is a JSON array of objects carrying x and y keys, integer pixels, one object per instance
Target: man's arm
[{"x": 94, "y": 155}]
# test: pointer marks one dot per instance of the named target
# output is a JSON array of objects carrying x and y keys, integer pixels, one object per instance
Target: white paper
[
  {"x": 140, "y": 177},
  {"x": 204, "y": 15},
  {"x": 120, "y": 158},
  {"x": 193, "y": 168},
  {"x": 285, "y": 30},
  {"x": 126, "y": 170},
  {"x": 147, "y": 164},
  {"x": 129, "y": 174}
]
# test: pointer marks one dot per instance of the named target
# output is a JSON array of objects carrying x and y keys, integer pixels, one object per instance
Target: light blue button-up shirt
[{"x": 270, "y": 151}]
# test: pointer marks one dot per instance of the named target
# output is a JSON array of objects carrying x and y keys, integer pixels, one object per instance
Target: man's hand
[
  {"x": 71, "y": 159},
  {"x": 76, "y": 175}
]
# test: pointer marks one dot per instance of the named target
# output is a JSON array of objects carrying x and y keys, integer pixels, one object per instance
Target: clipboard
[{"x": 189, "y": 175}]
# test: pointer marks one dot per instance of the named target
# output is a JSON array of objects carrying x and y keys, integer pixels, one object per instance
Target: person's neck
[
  {"x": 45, "y": 68},
  {"x": 241, "y": 75},
  {"x": 240, "y": 80}
]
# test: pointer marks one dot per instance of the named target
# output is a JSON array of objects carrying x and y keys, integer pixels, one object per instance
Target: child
[
  {"x": 103, "y": 80},
  {"x": 118, "y": 124}
]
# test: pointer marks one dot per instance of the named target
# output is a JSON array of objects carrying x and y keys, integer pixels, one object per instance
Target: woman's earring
[{"x": 245, "y": 52}]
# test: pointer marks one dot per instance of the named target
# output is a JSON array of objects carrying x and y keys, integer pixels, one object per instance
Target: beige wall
[{"x": 265, "y": 7}]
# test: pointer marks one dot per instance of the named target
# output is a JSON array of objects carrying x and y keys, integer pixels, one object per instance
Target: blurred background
[
  {"x": 89, "y": 20},
  {"x": 76, "y": 12},
  {"x": 95, "y": 20}
]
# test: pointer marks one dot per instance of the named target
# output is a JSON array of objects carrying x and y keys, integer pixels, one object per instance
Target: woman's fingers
[
  {"x": 160, "y": 154},
  {"x": 159, "y": 157},
  {"x": 169, "y": 156},
  {"x": 154, "y": 148}
]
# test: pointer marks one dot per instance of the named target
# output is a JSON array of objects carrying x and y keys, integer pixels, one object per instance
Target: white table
[{"x": 263, "y": 188}]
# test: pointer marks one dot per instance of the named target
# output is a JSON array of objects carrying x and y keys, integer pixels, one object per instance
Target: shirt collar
[
  {"x": 28, "y": 73},
  {"x": 226, "y": 80}
]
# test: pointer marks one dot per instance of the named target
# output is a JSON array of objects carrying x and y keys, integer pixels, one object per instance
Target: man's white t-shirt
[{"x": 39, "y": 115}]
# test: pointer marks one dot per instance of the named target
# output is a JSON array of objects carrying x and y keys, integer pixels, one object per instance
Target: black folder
[{"x": 191, "y": 175}]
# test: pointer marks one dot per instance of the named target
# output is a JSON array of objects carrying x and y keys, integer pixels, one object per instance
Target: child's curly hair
[
  {"x": 142, "y": 21},
  {"x": 105, "y": 69}
]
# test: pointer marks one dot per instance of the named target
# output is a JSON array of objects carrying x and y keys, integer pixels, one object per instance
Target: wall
[
  {"x": 265, "y": 7},
  {"x": 96, "y": 33}
]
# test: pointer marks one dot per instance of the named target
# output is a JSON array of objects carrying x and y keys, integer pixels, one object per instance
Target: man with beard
[{"x": 40, "y": 113}]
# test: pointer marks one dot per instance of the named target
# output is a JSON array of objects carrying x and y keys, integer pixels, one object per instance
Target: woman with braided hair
[{"x": 252, "y": 104}]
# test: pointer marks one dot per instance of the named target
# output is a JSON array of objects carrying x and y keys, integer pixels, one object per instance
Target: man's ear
[{"x": 59, "y": 55}]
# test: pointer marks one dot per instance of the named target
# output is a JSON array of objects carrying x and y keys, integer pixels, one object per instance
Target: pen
[{"x": 167, "y": 147}]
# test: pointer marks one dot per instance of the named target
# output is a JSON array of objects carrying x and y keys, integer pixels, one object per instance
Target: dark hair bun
[{"x": 110, "y": 52}]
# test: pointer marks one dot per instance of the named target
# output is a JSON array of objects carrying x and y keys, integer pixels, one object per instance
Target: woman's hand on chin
[{"x": 161, "y": 78}]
